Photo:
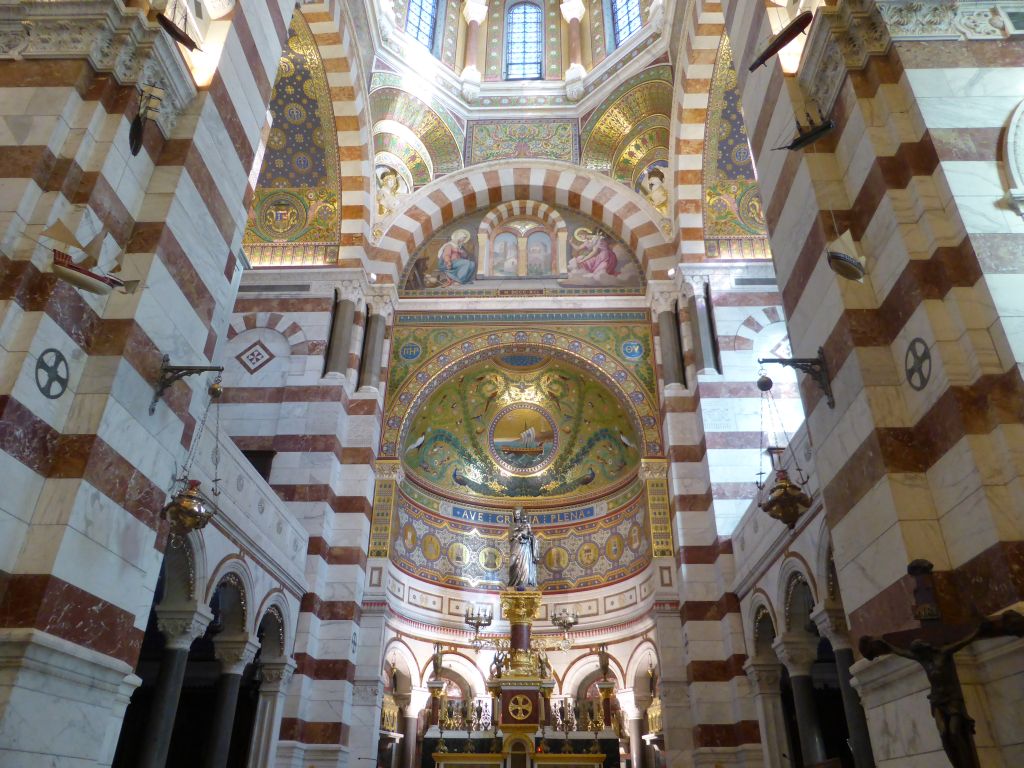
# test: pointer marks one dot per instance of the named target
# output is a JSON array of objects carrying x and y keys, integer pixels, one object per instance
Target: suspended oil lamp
[
  {"x": 785, "y": 500},
  {"x": 189, "y": 508}
]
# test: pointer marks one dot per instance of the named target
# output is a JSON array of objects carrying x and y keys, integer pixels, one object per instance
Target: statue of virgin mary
[{"x": 523, "y": 555}]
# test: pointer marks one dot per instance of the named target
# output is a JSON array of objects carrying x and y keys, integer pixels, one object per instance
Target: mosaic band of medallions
[
  {"x": 469, "y": 554},
  {"x": 638, "y": 401}
]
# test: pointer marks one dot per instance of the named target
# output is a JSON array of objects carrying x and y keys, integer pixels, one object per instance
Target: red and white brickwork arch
[{"x": 484, "y": 186}]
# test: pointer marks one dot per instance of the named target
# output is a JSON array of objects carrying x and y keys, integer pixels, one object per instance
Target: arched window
[
  {"x": 524, "y": 42},
  {"x": 421, "y": 20},
  {"x": 625, "y": 19}
]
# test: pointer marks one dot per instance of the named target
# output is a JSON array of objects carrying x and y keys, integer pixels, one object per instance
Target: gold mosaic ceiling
[
  {"x": 523, "y": 426},
  {"x": 630, "y": 130},
  {"x": 426, "y": 129}
]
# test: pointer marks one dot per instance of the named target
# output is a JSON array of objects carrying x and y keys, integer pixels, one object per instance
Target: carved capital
[
  {"x": 797, "y": 651},
  {"x": 475, "y": 11},
  {"x": 384, "y": 299},
  {"x": 181, "y": 626},
  {"x": 234, "y": 653},
  {"x": 664, "y": 296},
  {"x": 276, "y": 675},
  {"x": 656, "y": 16},
  {"x": 831, "y": 623},
  {"x": 574, "y": 76},
  {"x": 572, "y": 10},
  {"x": 765, "y": 676},
  {"x": 351, "y": 289},
  {"x": 389, "y": 470},
  {"x": 842, "y": 39},
  {"x": 653, "y": 469}
]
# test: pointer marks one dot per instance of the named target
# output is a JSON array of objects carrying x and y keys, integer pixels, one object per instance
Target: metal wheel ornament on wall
[
  {"x": 52, "y": 373},
  {"x": 918, "y": 364}
]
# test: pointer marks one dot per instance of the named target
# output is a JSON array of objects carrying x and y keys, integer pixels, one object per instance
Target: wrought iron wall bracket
[
  {"x": 815, "y": 367},
  {"x": 172, "y": 373}
]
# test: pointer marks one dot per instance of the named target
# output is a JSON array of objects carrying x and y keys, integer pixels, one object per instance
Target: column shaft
[
  {"x": 409, "y": 742},
  {"x": 160, "y": 723},
  {"x": 341, "y": 336},
  {"x": 671, "y": 353},
  {"x": 575, "y": 45},
  {"x": 218, "y": 743},
  {"x": 369, "y": 366},
  {"x": 812, "y": 745},
  {"x": 472, "y": 34},
  {"x": 856, "y": 722},
  {"x": 636, "y": 741}
]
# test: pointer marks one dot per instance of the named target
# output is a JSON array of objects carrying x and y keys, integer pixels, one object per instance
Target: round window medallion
[{"x": 523, "y": 438}]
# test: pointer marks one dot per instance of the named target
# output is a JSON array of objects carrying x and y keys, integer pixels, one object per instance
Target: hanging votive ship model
[
  {"x": 175, "y": 24},
  {"x": 84, "y": 273},
  {"x": 784, "y": 37}
]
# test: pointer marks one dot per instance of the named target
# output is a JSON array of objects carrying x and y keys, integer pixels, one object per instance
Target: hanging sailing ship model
[
  {"x": 175, "y": 24},
  {"x": 84, "y": 273}
]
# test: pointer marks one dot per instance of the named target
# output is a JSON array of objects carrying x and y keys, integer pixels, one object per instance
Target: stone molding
[
  {"x": 1014, "y": 154},
  {"x": 111, "y": 37},
  {"x": 947, "y": 20}
]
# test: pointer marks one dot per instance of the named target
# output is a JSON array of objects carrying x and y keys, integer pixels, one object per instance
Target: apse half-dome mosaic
[{"x": 526, "y": 426}]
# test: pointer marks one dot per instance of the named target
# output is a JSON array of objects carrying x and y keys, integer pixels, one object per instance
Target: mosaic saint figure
[
  {"x": 523, "y": 557},
  {"x": 594, "y": 254},
  {"x": 655, "y": 192},
  {"x": 387, "y": 192},
  {"x": 454, "y": 262}
]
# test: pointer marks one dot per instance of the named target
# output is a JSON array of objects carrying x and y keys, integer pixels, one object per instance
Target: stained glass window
[
  {"x": 421, "y": 19},
  {"x": 524, "y": 42},
  {"x": 626, "y": 19}
]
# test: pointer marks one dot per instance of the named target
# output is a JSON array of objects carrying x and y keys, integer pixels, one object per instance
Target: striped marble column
[
  {"x": 915, "y": 459},
  {"x": 82, "y": 536}
]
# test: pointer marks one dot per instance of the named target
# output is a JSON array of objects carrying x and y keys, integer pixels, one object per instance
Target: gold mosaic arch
[
  {"x": 619, "y": 379},
  {"x": 632, "y": 128},
  {"x": 429, "y": 125}
]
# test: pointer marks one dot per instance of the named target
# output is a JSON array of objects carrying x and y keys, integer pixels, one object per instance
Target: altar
[{"x": 526, "y": 729}]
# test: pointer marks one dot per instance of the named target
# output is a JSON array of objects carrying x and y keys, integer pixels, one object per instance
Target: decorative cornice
[
  {"x": 111, "y": 37},
  {"x": 948, "y": 20}
]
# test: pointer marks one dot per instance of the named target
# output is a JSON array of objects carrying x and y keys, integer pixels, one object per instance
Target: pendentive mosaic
[
  {"x": 295, "y": 213},
  {"x": 734, "y": 225}
]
